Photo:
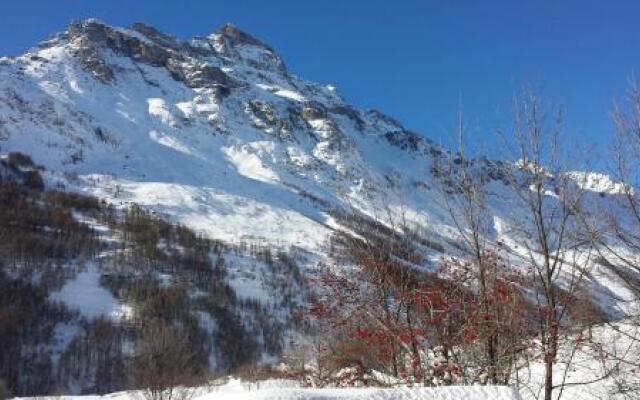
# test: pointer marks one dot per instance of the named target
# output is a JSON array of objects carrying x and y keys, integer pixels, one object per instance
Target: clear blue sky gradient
[{"x": 415, "y": 60}]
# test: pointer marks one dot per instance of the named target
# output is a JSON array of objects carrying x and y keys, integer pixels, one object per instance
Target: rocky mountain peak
[
  {"x": 230, "y": 41},
  {"x": 183, "y": 59},
  {"x": 143, "y": 44},
  {"x": 156, "y": 36},
  {"x": 236, "y": 36}
]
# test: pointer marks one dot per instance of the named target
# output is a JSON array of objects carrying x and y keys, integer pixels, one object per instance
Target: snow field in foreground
[{"x": 285, "y": 390}]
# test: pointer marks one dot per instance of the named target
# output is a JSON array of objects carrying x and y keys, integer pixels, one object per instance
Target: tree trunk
[{"x": 548, "y": 377}]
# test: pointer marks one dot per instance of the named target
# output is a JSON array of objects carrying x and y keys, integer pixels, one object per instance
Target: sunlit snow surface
[
  {"x": 285, "y": 390},
  {"x": 85, "y": 294},
  {"x": 235, "y": 390}
]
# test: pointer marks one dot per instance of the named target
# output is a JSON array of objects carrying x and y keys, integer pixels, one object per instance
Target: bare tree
[
  {"x": 626, "y": 227},
  {"x": 618, "y": 240},
  {"x": 463, "y": 194},
  {"x": 163, "y": 365},
  {"x": 546, "y": 201},
  {"x": 463, "y": 184}
]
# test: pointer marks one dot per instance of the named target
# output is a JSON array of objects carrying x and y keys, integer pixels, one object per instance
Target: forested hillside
[{"x": 165, "y": 306}]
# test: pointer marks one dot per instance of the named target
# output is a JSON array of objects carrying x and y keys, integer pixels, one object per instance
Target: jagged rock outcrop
[
  {"x": 91, "y": 38},
  {"x": 229, "y": 37}
]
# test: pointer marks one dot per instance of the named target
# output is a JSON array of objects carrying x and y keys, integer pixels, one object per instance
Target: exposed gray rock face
[
  {"x": 350, "y": 113},
  {"x": 85, "y": 37},
  {"x": 405, "y": 140},
  {"x": 236, "y": 36},
  {"x": 266, "y": 117},
  {"x": 263, "y": 112},
  {"x": 156, "y": 36},
  {"x": 91, "y": 37},
  {"x": 378, "y": 116},
  {"x": 314, "y": 110},
  {"x": 198, "y": 75},
  {"x": 94, "y": 35},
  {"x": 228, "y": 40}
]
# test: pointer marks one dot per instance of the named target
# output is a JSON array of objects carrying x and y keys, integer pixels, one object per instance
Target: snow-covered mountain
[{"x": 215, "y": 133}]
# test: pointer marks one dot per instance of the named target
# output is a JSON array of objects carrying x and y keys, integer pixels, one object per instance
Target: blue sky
[{"x": 415, "y": 60}]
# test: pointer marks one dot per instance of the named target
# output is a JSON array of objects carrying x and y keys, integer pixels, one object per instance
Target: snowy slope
[
  {"x": 284, "y": 390},
  {"x": 237, "y": 391}
]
